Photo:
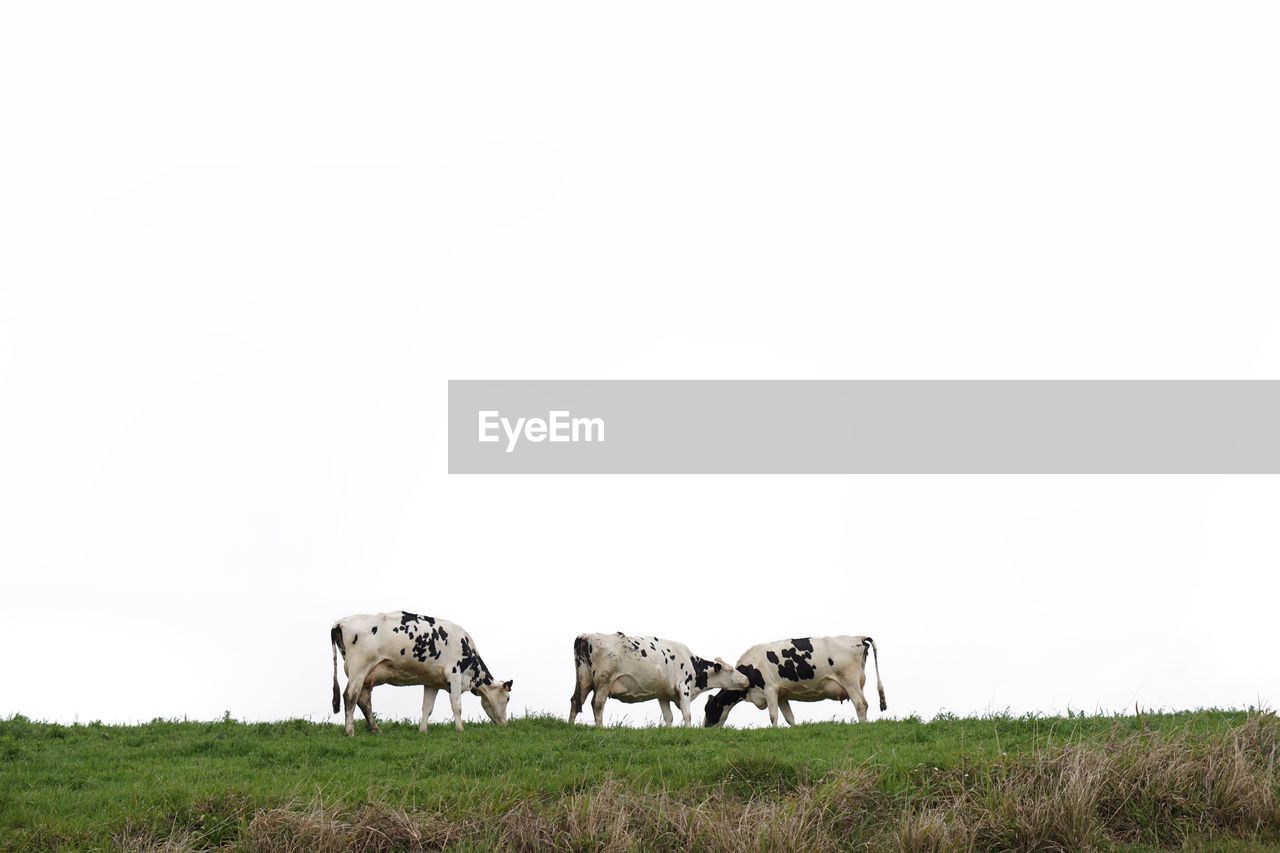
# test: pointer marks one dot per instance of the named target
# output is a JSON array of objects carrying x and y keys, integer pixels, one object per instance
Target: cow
[
  {"x": 403, "y": 648},
  {"x": 638, "y": 669},
  {"x": 807, "y": 669}
]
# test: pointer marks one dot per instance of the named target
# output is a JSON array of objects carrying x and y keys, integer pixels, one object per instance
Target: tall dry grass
[{"x": 1164, "y": 791}]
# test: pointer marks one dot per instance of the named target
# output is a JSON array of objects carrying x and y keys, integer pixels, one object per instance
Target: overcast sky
[{"x": 243, "y": 248}]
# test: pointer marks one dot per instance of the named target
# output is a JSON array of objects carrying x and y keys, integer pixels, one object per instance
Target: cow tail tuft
[
  {"x": 335, "y": 640},
  {"x": 867, "y": 641}
]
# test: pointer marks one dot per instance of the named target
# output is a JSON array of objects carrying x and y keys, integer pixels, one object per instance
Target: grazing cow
[
  {"x": 637, "y": 669},
  {"x": 405, "y": 649},
  {"x": 808, "y": 669}
]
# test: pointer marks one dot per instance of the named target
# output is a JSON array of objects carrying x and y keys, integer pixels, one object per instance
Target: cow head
[
  {"x": 493, "y": 698},
  {"x": 722, "y": 675},
  {"x": 719, "y": 706}
]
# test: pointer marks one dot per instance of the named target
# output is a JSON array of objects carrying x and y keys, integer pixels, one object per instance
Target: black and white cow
[
  {"x": 807, "y": 669},
  {"x": 403, "y": 649},
  {"x": 638, "y": 669}
]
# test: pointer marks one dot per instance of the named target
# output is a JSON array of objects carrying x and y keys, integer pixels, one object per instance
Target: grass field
[{"x": 1206, "y": 778}]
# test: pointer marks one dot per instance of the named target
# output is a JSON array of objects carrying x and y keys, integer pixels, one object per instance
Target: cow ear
[
  {"x": 719, "y": 666},
  {"x": 506, "y": 685}
]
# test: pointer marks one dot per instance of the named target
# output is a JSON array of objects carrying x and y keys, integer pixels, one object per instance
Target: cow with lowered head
[
  {"x": 806, "y": 669},
  {"x": 638, "y": 669},
  {"x": 403, "y": 649}
]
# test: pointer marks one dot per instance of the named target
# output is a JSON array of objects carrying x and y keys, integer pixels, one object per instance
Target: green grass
[{"x": 94, "y": 786}]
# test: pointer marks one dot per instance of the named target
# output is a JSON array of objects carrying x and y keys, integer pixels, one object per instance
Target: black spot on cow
[
  {"x": 581, "y": 652},
  {"x": 420, "y": 648},
  {"x": 643, "y": 653},
  {"x": 754, "y": 676},
  {"x": 803, "y": 644},
  {"x": 354, "y": 637},
  {"x": 797, "y": 666},
  {"x": 402, "y": 652},
  {"x": 427, "y": 645},
  {"x": 830, "y": 662},
  {"x": 375, "y": 630},
  {"x": 406, "y": 617},
  {"x": 471, "y": 665},
  {"x": 700, "y": 667},
  {"x": 772, "y": 656}
]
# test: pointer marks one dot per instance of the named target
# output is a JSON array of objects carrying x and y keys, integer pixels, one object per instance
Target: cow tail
[
  {"x": 335, "y": 640},
  {"x": 581, "y": 676},
  {"x": 884, "y": 706}
]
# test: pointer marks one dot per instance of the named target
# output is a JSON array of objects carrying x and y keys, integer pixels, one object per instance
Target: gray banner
[{"x": 863, "y": 427}]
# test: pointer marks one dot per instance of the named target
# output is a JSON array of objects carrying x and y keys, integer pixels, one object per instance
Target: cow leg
[
  {"x": 859, "y": 705},
  {"x": 686, "y": 710},
  {"x": 349, "y": 714},
  {"x": 428, "y": 702},
  {"x": 597, "y": 705},
  {"x": 365, "y": 704},
  {"x": 455, "y": 702},
  {"x": 785, "y": 706},
  {"x": 771, "y": 697},
  {"x": 856, "y": 696},
  {"x": 666, "y": 711},
  {"x": 351, "y": 696}
]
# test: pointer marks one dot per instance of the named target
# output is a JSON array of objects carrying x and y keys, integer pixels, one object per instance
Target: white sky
[{"x": 243, "y": 247}]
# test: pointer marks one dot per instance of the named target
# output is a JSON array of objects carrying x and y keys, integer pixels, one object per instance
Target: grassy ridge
[{"x": 998, "y": 781}]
